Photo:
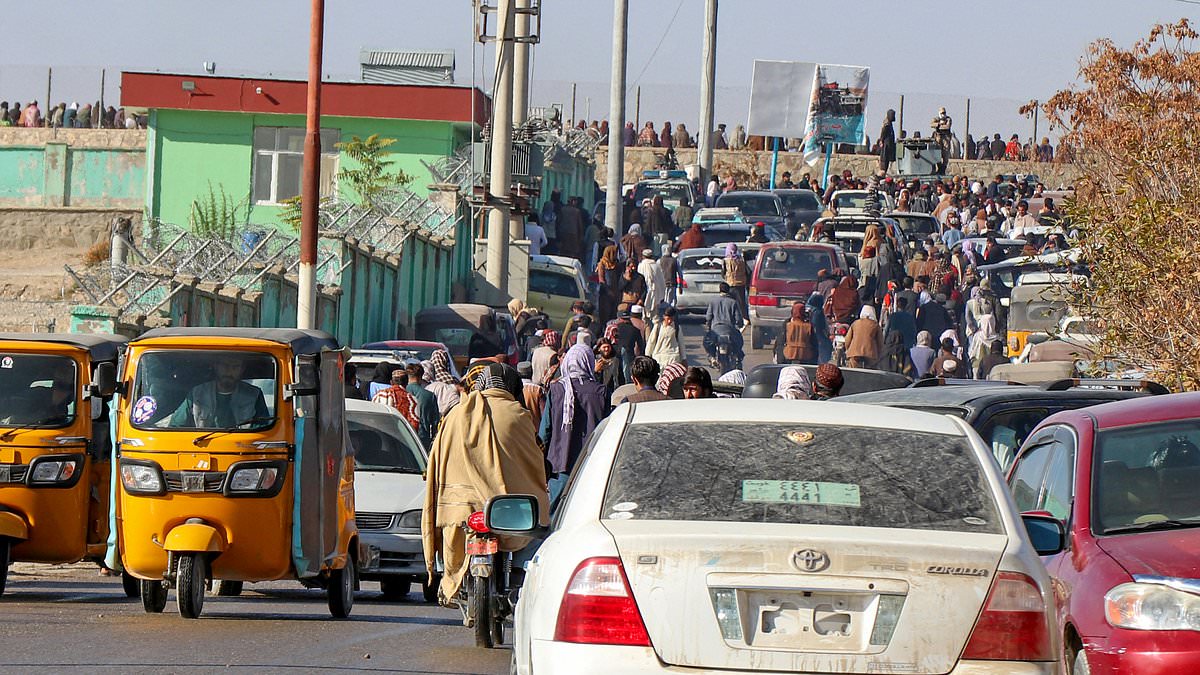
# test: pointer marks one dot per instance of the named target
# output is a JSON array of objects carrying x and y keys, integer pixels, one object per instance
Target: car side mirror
[
  {"x": 104, "y": 380},
  {"x": 1046, "y": 533},
  {"x": 305, "y": 381},
  {"x": 512, "y": 514}
]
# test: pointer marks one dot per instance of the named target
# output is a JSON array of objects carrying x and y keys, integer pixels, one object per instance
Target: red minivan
[
  {"x": 1122, "y": 479},
  {"x": 786, "y": 272}
]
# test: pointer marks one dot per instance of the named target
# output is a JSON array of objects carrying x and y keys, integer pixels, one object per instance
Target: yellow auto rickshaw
[
  {"x": 1034, "y": 308},
  {"x": 233, "y": 464},
  {"x": 55, "y": 451}
]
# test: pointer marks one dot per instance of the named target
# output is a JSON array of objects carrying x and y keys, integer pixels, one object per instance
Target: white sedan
[{"x": 781, "y": 536}]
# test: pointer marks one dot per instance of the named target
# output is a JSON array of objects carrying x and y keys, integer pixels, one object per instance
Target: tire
[
  {"x": 154, "y": 596},
  {"x": 481, "y": 608},
  {"x": 340, "y": 590},
  {"x": 756, "y": 338},
  {"x": 1080, "y": 664},
  {"x": 131, "y": 585},
  {"x": 5, "y": 561},
  {"x": 229, "y": 589},
  {"x": 192, "y": 584},
  {"x": 395, "y": 588},
  {"x": 429, "y": 590},
  {"x": 497, "y": 630}
]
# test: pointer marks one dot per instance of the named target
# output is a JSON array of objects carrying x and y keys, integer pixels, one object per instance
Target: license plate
[
  {"x": 5, "y": 473},
  {"x": 482, "y": 546},
  {"x": 193, "y": 482},
  {"x": 710, "y": 288}
]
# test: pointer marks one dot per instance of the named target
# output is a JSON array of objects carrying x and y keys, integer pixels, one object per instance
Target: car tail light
[
  {"x": 1012, "y": 626},
  {"x": 598, "y": 607},
  {"x": 476, "y": 522},
  {"x": 763, "y": 300}
]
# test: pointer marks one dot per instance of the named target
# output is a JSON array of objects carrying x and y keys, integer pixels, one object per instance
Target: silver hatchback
[{"x": 703, "y": 271}]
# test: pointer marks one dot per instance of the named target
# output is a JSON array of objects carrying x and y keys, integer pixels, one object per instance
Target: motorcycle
[
  {"x": 485, "y": 597},
  {"x": 727, "y": 360}
]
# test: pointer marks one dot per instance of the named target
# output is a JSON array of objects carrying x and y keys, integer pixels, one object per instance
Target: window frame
[
  {"x": 327, "y": 150},
  {"x": 1036, "y": 443}
]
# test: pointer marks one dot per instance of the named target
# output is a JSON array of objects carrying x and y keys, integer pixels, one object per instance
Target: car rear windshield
[
  {"x": 1145, "y": 477},
  {"x": 751, "y": 205},
  {"x": 702, "y": 263},
  {"x": 850, "y": 201},
  {"x": 800, "y": 473},
  {"x": 795, "y": 264},
  {"x": 670, "y": 192},
  {"x": 917, "y": 225},
  {"x": 803, "y": 201}
]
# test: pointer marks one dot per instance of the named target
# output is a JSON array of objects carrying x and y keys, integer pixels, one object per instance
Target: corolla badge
[{"x": 810, "y": 560}]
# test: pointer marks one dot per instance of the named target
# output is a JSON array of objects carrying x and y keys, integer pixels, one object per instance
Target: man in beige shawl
[{"x": 486, "y": 447}]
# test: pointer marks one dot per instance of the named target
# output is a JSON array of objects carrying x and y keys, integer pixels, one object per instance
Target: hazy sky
[{"x": 935, "y": 52}]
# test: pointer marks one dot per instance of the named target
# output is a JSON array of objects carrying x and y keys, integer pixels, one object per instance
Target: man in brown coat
[{"x": 864, "y": 341}]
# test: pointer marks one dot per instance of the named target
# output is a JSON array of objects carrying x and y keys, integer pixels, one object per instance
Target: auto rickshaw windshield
[
  {"x": 205, "y": 389},
  {"x": 37, "y": 390}
]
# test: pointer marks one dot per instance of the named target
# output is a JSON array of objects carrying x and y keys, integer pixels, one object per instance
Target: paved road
[
  {"x": 55, "y": 619},
  {"x": 693, "y": 335}
]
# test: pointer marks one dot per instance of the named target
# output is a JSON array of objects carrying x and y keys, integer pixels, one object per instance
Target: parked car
[
  {"x": 1002, "y": 413},
  {"x": 798, "y": 537},
  {"x": 917, "y": 227},
  {"x": 724, "y": 226},
  {"x": 803, "y": 208},
  {"x": 389, "y": 491},
  {"x": 395, "y": 351},
  {"x": 757, "y": 206},
  {"x": 785, "y": 272},
  {"x": 555, "y": 283},
  {"x": 1122, "y": 479}
]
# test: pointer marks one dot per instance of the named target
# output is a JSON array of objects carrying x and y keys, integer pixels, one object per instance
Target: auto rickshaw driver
[{"x": 224, "y": 402}]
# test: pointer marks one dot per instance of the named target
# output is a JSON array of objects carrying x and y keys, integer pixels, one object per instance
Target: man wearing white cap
[{"x": 656, "y": 285}]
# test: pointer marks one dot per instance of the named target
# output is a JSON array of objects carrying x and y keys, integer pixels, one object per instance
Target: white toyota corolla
[{"x": 780, "y": 536}]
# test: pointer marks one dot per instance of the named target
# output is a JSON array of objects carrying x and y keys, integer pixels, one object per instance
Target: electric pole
[
  {"x": 500, "y": 185},
  {"x": 310, "y": 189},
  {"x": 521, "y": 65},
  {"x": 708, "y": 91},
  {"x": 614, "y": 216}
]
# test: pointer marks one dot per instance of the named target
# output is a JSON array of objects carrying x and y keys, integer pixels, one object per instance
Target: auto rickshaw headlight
[
  {"x": 255, "y": 478},
  {"x": 55, "y": 470},
  {"x": 142, "y": 478}
]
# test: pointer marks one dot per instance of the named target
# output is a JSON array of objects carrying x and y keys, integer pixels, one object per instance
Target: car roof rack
[
  {"x": 957, "y": 381},
  {"x": 1148, "y": 386}
]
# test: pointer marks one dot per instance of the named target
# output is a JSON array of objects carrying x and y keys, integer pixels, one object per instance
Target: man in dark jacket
[{"x": 645, "y": 375}]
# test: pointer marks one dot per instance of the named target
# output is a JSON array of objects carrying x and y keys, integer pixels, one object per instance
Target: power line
[{"x": 662, "y": 39}]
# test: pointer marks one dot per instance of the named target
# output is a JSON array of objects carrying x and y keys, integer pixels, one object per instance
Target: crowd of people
[{"x": 73, "y": 116}]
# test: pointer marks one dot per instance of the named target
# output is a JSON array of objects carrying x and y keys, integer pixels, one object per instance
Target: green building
[{"x": 244, "y": 137}]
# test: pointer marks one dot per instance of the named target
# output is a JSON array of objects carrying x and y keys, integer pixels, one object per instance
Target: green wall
[
  {"x": 57, "y": 174},
  {"x": 188, "y": 149}
]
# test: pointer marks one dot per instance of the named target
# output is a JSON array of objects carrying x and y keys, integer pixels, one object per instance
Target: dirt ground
[{"x": 36, "y": 293}]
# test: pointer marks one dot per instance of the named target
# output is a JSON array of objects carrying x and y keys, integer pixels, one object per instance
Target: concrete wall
[
  {"x": 188, "y": 150},
  {"x": 27, "y": 228},
  {"x": 79, "y": 168},
  {"x": 749, "y": 167}
]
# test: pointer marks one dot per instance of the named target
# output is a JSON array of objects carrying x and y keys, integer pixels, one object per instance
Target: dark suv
[{"x": 1005, "y": 414}]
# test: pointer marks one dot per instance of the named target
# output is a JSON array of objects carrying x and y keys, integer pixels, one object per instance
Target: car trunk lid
[{"x": 804, "y": 598}]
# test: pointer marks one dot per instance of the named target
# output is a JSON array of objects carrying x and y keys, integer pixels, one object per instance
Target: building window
[{"x": 279, "y": 163}]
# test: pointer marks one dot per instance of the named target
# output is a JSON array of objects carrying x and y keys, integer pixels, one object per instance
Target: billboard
[{"x": 818, "y": 102}]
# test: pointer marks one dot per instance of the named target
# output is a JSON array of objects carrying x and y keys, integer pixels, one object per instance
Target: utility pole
[
  {"x": 901, "y": 120},
  {"x": 310, "y": 188},
  {"x": 708, "y": 90},
  {"x": 1035, "y": 121},
  {"x": 637, "y": 109},
  {"x": 521, "y": 65},
  {"x": 967, "y": 128},
  {"x": 49, "y": 80},
  {"x": 101, "y": 111},
  {"x": 500, "y": 185},
  {"x": 573, "y": 120},
  {"x": 614, "y": 216}
]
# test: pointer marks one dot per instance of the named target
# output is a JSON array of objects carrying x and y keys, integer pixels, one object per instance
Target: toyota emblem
[{"x": 810, "y": 560}]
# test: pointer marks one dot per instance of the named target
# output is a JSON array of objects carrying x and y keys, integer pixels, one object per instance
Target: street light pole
[
  {"x": 708, "y": 91},
  {"x": 613, "y": 204},
  {"x": 500, "y": 185},
  {"x": 310, "y": 189}
]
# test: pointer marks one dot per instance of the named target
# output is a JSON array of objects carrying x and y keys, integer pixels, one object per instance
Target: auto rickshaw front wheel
[
  {"x": 130, "y": 585},
  {"x": 340, "y": 589},
  {"x": 5, "y": 561},
  {"x": 191, "y": 584},
  {"x": 154, "y": 596}
]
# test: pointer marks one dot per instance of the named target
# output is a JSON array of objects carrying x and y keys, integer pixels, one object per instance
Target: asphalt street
[
  {"x": 68, "y": 619},
  {"x": 693, "y": 347}
]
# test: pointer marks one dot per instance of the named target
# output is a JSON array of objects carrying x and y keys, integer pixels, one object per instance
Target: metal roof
[
  {"x": 301, "y": 341},
  {"x": 101, "y": 346},
  {"x": 406, "y": 59}
]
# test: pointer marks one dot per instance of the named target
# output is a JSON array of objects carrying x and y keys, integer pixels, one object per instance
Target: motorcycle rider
[{"x": 723, "y": 319}]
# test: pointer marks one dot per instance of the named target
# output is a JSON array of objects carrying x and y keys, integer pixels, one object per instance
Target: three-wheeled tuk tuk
[
  {"x": 233, "y": 464},
  {"x": 55, "y": 451}
]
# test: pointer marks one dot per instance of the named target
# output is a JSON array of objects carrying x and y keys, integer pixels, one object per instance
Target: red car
[{"x": 1124, "y": 478}]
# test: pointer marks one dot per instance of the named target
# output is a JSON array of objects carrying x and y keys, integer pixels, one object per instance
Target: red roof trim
[{"x": 289, "y": 97}]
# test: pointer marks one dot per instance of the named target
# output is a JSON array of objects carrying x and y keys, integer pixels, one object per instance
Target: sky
[{"x": 922, "y": 49}]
